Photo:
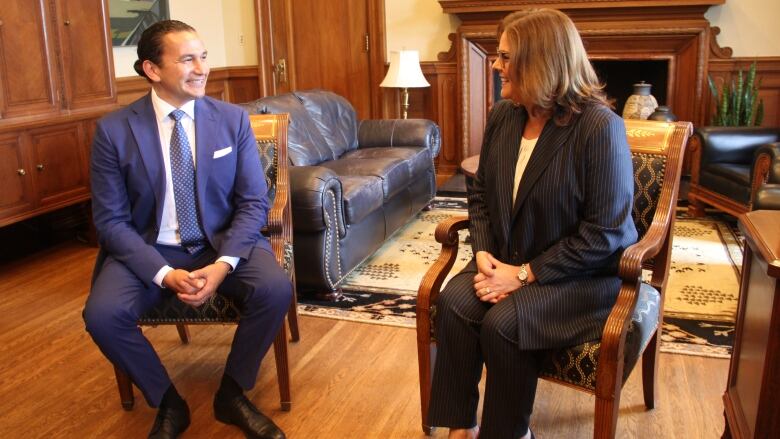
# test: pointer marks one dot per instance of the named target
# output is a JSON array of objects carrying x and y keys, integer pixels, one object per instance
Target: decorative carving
[
  {"x": 449, "y": 56},
  {"x": 715, "y": 49}
]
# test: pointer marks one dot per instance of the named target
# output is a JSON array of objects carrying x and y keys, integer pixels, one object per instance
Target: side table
[
  {"x": 469, "y": 167},
  {"x": 752, "y": 398}
]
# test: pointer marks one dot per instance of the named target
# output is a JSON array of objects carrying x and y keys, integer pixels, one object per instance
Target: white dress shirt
[
  {"x": 169, "y": 225},
  {"x": 526, "y": 149}
]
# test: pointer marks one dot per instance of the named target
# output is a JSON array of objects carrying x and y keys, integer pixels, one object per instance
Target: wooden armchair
[
  {"x": 271, "y": 135},
  {"x": 598, "y": 367}
]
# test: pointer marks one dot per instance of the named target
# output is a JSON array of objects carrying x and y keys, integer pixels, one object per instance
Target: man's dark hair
[{"x": 150, "y": 44}]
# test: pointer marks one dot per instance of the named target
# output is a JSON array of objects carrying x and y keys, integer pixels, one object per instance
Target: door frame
[{"x": 266, "y": 30}]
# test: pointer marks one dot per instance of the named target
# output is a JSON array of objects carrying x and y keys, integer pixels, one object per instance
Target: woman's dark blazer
[{"x": 571, "y": 219}]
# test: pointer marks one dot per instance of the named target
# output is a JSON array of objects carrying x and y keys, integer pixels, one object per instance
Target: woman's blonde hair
[{"x": 548, "y": 66}]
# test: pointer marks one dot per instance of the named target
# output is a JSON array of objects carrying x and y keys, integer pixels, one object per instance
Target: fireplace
[
  {"x": 663, "y": 42},
  {"x": 619, "y": 76}
]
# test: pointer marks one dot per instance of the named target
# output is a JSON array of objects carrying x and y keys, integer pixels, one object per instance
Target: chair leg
[
  {"x": 695, "y": 207},
  {"x": 649, "y": 369},
  {"x": 282, "y": 368},
  {"x": 292, "y": 314},
  {"x": 426, "y": 353},
  {"x": 125, "y": 389},
  {"x": 606, "y": 417},
  {"x": 184, "y": 333}
]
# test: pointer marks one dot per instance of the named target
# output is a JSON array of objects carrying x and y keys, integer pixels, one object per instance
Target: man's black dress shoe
[
  {"x": 239, "y": 411},
  {"x": 170, "y": 422}
]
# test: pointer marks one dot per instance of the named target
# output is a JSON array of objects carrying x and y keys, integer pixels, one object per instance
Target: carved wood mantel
[{"x": 671, "y": 30}]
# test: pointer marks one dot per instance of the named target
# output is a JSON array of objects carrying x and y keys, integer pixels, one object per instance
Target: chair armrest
[
  {"x": 430, "y": 286},
  {"x": 767, "y": 197},
  {"x": 613, "y": 337},
  {"x": 766, "y": 164},
  {"x": 275, "y": 224},
  {"x": 400, "y": 132},
  {"x": 316, "y": 199}
]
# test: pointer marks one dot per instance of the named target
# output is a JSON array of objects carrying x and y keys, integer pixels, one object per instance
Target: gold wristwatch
[{"x": 522, "y": 275}]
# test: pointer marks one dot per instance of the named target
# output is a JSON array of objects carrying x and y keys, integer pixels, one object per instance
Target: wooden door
[
  {"x": 336, "y": 45},
  {"x": 59, "y": 163},
  {"x": 28, "y": 70},
  {"x": 85, "y": 47},
  {"x": 16, "y": 194}
]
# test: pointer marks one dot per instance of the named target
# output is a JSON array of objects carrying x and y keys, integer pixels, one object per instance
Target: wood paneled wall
[
  {"x": 231, "y": 84},
  {"x": 722, "y": 67},
  {"x": 439, "y": 101}
]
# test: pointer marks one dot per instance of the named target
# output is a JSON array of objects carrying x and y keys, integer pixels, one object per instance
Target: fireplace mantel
[
  {"x": 674, "y": 31},
  {"x": 501, "y": 7}
]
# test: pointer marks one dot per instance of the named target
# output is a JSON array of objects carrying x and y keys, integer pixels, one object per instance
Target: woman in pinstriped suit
[{"x": 550, "y": 214}]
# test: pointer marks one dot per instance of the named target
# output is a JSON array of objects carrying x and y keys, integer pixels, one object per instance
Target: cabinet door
[
  {"x": 59, "y": 164},
  {"x": 85, "y": 47},
  {"x": 15, "y": 178},
  {"x": 28, "y": 70}
]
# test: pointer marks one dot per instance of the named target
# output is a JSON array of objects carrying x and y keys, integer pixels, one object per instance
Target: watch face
[{"x": 523, "y": 274}]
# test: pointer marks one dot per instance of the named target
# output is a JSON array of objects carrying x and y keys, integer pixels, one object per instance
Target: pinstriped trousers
[{"x": 470, "y": 332}]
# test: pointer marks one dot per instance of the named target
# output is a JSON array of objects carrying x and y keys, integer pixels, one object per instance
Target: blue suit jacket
[{"x": 128, "y": 183}]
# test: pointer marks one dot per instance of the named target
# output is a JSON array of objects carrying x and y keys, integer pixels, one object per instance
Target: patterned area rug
[{"x": 700, "y": 304}]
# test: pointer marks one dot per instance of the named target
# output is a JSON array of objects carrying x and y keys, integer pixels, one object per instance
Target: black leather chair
[
  {"x": 353, "y": 182},
  {"x": 729, "y": 165}
]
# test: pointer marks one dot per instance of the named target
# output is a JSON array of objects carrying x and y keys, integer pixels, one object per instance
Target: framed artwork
[{"x": 129, "y": 18}]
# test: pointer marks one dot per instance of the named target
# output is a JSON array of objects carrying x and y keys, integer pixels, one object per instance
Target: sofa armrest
[
  {"x": 400, "y": 132},
  {"x": 317, "y": 202},
  {"x": 767, "y": 197}
]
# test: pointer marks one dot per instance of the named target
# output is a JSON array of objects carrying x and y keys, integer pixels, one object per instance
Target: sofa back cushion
[
  {"x": 305, "y": 145},
  {"x": 734, "y": 144},
  {"x": 334, "y": 117}
]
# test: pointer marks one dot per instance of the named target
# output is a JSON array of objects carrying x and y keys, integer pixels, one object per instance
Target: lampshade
[{"x": 404, "y": 71}]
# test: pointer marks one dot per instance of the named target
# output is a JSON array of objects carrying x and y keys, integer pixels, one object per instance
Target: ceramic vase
[
  {"x": 663, "y": 114},
  {"x": 640, "y": 104}
]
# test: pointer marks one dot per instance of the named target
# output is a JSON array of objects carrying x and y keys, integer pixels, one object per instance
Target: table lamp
[{"x": 404, "y": 73}]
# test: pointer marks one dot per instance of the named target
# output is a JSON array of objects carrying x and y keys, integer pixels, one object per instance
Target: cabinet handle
[
  {"x": 39, "y": 166},
  {"x": 67, "y": 22},
  {"x": 21, "y": 172}
]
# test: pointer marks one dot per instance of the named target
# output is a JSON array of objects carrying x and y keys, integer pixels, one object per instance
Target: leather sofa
[
  {"x": 729, "y": 165},
  {"x": 353, "y": 182}
]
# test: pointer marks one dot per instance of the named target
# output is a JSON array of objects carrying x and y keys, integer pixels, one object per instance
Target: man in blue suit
[{"x": 179, "y": 199}]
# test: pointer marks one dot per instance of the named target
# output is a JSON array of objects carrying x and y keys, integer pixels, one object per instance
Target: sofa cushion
[
  {"x": 305, "y": 145},
  {"x": 362, "y": 195},
  {"x": 418, "y": 160},
  {"x": 393, "y": 172},
  {"x": 334, "y": 117}
]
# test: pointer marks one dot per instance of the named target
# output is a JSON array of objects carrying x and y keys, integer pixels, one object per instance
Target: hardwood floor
[{"x": 349, "y": 380}]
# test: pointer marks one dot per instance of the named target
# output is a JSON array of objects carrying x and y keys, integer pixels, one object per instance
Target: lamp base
[{"x": 404, "y": 102}]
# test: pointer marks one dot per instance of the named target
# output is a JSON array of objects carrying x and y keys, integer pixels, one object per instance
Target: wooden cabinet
[
  {"x": 752, "y": 398},
  {"x": 16, "y": 193},
  {"x": 43, "y": 168},
  {"x": 56, "y": 79}
]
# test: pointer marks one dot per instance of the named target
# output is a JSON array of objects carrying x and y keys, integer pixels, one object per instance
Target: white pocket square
[{"x": 222, "y": 152}]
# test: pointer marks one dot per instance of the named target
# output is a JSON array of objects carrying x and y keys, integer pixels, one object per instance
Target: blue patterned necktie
[{"x": 183, "y": 175}]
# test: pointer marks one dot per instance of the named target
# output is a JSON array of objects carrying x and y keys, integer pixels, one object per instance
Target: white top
[
  {"x": 169, "y": 224},
  {"x": 526, "y": 149}
]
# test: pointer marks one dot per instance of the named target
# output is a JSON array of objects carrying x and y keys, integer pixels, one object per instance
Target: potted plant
[{"x": 737, "y": 104}]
